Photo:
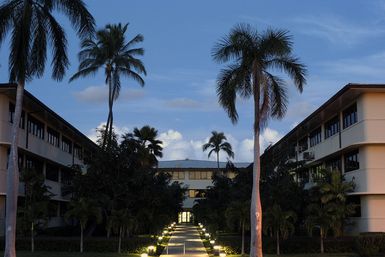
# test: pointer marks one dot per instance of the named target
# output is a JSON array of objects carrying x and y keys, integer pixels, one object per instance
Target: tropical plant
[
  {"x": 33, "y": 28},
  {"x": 34, "y": 211},
  {"x": 334, "y": 192},
  {"x": 279, "y": 223},
  {"x": 111, "y": 52},
  {"x": 147, "y": 136},
  {"x": 82, "y": 210},
  {"x": 217, "y": 143},
  {"x": 239, "y": 212},
  {"x": 120, "y": 221},
  {"x": 320, "y": 216},
  {"x": 254, "y": 54}
]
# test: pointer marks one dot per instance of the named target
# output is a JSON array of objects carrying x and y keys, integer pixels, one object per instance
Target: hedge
[{"x": 132, "y": 244}]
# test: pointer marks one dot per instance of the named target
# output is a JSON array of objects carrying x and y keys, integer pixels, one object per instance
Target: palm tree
[
  {"x": 321, "y": 217},
  {"x": 111, "y": 52},
  {"x": 334, "y": 192},
  {"x": 120, "y": 221},
  {"x": 147, "y": 136},
  {"x": 82, "y": 210},
  {"x": 240, "y": 212},
  {"x": 33, "y": 28},
  {"x": 254, "y": 54},
  {"x": 218, "y": 142},
  {"x": 280, "y": 223}
]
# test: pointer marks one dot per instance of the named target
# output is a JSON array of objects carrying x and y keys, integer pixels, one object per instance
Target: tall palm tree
[
  {"x": 253, "y": 56},
  {"x": 82, "y": 210},
  {"x": 217, "y": 143},
  {"x": 33, "y": 28},
  {"x": 111, "y": 52},
  {"x": 280, "y": 223}
]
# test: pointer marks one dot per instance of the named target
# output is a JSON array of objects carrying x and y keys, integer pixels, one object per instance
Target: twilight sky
[{"x": 339, "y": 41}]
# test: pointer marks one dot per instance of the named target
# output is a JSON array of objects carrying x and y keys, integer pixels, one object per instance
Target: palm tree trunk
[
  {"x": 243, "y": 238},
  {"x": 32, "y": 237},
  {"x": 256, "y": 208},
  {"x": 218, "y": 160},
  {"x": 81, "y": 238},
  {"x": 278, "y": 250},
  {"x": 120, "y": 240},
  {"x": 110, "y": 99},
  {"x": 13, "y": 177},
  {"x": 322, "y": 239}
]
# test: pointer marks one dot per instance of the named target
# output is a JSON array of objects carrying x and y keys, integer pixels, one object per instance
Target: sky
[{"x": 340, "y": 42}]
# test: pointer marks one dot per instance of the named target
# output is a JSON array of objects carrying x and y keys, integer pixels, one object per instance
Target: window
[
  {"x": 53, "y": 209},
  {"x": 177, "y": 175},
  {"x": 315, "y": 137},
  {"x": 356, "y": 201},
  {"x": 53, "y": 137},
  {"x": 66, "y": 145},
  {"x": 332, "y": 127},
  {"x": 302, "y": 145},
  {"x": 196, "y": 193},
  {"x": 200, "y": 175},
  {"x": 34, "y": 164},
  {"x": 317, "y": 173},
  {"x": 67, "y": 176},
  {"x": 350, "y": 116},
  {"x": 78, "y": 152},
  {"x": 351, "y": 161},
  {"x": 63, "y": 208},
  {"x": 35, "y": 127},
  {"x": 334, "y": 164},
  {"x": 52, "y": 172},
  {"x": 11, "y": 115}
]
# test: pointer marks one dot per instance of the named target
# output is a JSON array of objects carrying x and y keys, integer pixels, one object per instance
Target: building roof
[
  {"x": 357, "y": 87},
  {"x": 198, "y": 164},
  {"x": 10, "y": 89}
]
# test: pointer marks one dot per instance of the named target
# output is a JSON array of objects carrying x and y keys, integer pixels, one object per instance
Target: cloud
[
  {"x": 177, "y": 147},
  {"x": 337, "y": 31},
  {"x": 93, "y": 133},
  {"x": 99, "y": 94},
  {"x": 185, "y": 103}
]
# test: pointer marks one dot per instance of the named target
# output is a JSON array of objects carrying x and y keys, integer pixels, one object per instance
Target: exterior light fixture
[
  {"x": 217, "y": 247},
  {"x": 207, "y": 235},
  {"x": 160, "y": 238},
  {"x": 212, "y": 242},
  {"x": 144, "y": 255},
  {"x": 203, "y": 229}
]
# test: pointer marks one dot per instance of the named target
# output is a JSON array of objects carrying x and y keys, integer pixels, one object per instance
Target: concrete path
[{"x": 185, "y": 236}]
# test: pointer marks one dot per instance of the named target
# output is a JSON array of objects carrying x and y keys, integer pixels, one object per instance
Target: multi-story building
[
  {"x": 47, "y": 143},
  {"x": 196, "y": 175},
  {"x": 347, "y": 133}
]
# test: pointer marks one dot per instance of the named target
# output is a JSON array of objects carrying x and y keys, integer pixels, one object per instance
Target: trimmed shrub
[
  {"x": 132, "y": 244},
  {"x": 371, "y": 244}
]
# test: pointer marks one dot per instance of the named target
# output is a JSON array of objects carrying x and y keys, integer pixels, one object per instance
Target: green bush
[
  {"x": 371, "y": 244},
  {"x": 132, "y": 245}
]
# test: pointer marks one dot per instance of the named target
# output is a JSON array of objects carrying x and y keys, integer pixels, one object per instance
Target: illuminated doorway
[{"x": 184, "y": 217}]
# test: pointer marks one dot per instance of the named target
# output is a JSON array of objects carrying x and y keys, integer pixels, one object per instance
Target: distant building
[
  {"x": 47, "y": 143},
  {"x": 347, "y": 133},
  {"x": 197, "y": 176}
]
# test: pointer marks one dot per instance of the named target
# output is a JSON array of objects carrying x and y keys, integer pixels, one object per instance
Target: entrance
[{"x": 184, "y": 217}]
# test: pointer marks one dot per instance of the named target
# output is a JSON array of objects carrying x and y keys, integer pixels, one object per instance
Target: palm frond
[{"x": 278, "y": 96}]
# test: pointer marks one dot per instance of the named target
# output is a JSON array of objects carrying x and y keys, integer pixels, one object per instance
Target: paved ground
[{"x": 185, "y": 236}]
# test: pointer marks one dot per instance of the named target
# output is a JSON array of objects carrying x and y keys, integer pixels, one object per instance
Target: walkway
[{"x": 185, "y": 235}]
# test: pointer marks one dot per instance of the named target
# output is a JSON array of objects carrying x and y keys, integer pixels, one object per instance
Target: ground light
[
  {"x": 222, "y": 255},
  {"x": 217, "y": 249},
  {"x": 151, "y": 250},
  {"x": 144, "y": 255}
]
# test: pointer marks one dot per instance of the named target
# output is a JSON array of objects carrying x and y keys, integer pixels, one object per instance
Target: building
[
  {"x": 197, "y": 176},
  {"x": 47, "y": 143},
  {"x": 346, "y": 133}
]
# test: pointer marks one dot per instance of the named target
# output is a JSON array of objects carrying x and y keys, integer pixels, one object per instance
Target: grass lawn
[{"x": 71, "y": 254}]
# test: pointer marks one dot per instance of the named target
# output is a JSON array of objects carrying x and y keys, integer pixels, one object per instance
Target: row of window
[
  {"x": 37, "y": 128},
  {"x": 332, "y": 127},
  {"x": 51, "y": 170},
  {"x": 193, "y": 175}
]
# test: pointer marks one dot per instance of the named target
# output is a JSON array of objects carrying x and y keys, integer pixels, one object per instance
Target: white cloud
[
  {"x": 93, "y": 134},
  {"x": 99, "y": 94}
]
